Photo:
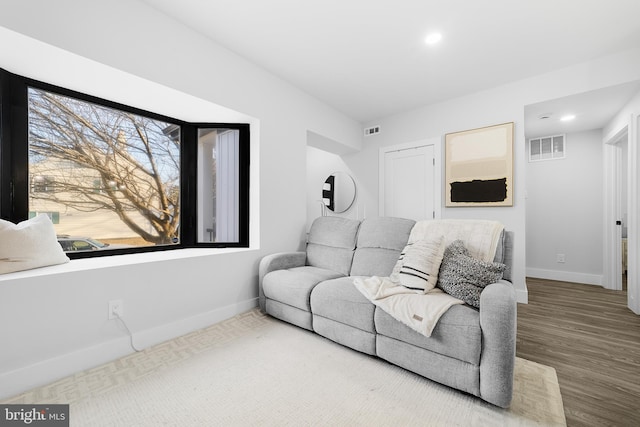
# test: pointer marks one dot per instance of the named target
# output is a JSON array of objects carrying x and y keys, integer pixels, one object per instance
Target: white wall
[
  {"x": 498, "y": 105},
  {"x": 53, "y": 322},
  {"x": 564, "y": 212}
]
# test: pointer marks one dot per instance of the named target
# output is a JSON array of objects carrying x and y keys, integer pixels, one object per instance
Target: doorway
[
  {"x": 621, "y": 188},
  {"x": 616, "y": 212},
  {"x": 621, "y": 123}
]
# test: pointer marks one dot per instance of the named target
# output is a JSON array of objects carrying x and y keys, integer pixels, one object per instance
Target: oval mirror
[{"x": 338, "y": 192}]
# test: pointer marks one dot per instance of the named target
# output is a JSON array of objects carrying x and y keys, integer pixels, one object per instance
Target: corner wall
[{"x": 564, "y": 212}]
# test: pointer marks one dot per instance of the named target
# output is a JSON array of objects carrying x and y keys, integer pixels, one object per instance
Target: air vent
[
  {"x": 547, "y": 148},
  {"x": 372, "y": 130}
]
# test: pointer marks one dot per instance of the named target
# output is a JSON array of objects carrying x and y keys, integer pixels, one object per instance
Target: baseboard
[
  {"x": 47, "y": 371},
  {"x": 565, "y": 276},
  {"x": 522, "y": 296},
  {"x": 150, "y": 337}
]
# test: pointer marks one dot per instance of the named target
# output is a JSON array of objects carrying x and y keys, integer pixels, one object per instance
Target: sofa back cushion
[
  {"x": 331, "y": 243},
  {"x": 380, "y": 241}
]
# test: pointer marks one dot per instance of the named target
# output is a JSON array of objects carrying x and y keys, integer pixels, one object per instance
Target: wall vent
[
  {"x": 547, "y": 148},
  {"x": 371, "y": 130}
]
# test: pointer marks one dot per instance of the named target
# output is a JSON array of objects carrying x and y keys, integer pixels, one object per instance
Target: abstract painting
[{"x": 479, "y": 167}]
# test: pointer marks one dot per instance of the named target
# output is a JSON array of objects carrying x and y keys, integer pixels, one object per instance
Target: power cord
[{"x": 128, "y": 331}]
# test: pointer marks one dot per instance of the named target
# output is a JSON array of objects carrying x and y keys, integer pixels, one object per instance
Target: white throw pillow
[
  {"x": 418, "y": 265},
  {"x": 29, "y": 244}
]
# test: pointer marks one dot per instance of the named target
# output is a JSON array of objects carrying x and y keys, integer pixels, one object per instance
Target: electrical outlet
[
  {"x": 116, "y": 307},
  {"x": 560, "y": 258}
]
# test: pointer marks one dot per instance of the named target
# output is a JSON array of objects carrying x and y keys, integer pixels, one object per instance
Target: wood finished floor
[{"x": 592, "y": 339}]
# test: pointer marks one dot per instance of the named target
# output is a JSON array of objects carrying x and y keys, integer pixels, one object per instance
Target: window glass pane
[
  {"x": 218, "y": 185},
  {"x": 558, "y": 146},
  {"x": 546, "y": 148},
  {"x": 110, "y": 178},
  {"x": 534, "y": 147}
]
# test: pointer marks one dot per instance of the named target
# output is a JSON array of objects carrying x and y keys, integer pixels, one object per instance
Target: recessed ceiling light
[
  {"x": 568, "y": 117},
  {"x": 433, "y": 38}
]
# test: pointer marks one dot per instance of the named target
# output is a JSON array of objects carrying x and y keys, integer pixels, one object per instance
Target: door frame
[
  {"x": 436, "y": 142},
  {"x": 612, "y": 193},
  {"x": 613, "y": 209},
  {"x": 633, "y": 230}
]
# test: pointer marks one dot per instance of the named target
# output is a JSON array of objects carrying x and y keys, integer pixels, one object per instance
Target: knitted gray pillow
[{"x": 463, "y": 276}]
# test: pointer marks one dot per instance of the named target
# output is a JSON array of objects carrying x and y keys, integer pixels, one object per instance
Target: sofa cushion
[
  {"x": 293, "y": 286},
  {"x": 331, "y": 243},
  {"x": 334, "y": 231},
  {"x": 340, "y": 300},
  {"x": 463, "y": 276},
  {"x": 380, "y": 241},
  {"x": 457, "y": 334},
  {"x": 329, "y": 258},
  {"x": 369, "y": 262},
  {"x": 385, "y": 232}
]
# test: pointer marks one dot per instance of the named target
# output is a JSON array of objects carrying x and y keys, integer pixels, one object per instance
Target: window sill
[{"x": 119, "y": 260}]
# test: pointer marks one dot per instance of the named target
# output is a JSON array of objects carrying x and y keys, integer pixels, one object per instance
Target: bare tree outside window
[{"x": 110, "y": 174}]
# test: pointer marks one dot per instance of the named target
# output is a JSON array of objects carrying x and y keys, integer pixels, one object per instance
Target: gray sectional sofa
[{"x": 470, "y": 349}]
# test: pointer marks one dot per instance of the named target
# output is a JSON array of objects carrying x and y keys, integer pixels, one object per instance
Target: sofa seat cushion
[
  {"x": 340, "y": 300},
  {"x": 293, "y": 286},
  {"x": 457, "y": 334}
]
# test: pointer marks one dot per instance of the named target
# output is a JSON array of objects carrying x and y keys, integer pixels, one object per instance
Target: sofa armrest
[
  {"x": 278, "y": 261},
  {"x": 498, "y": 321}
]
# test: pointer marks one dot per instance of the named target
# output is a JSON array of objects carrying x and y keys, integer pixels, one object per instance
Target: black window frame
[{"x": 14, "y": 163}]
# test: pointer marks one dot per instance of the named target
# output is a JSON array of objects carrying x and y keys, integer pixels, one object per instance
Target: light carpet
[{"x": 255, "y": 370}]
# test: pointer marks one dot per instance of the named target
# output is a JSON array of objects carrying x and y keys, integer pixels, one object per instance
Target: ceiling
[
  {"x": 592, "y": 110},
  {"x": 368, "y": 59}
]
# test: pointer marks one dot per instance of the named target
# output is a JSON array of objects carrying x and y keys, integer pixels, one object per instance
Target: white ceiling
[
  {"x": 593, "y": 110},
  {"x": 367, "y": 58}
]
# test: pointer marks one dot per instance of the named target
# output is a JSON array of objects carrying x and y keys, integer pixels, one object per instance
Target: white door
[{"x": 408, "y": 184}]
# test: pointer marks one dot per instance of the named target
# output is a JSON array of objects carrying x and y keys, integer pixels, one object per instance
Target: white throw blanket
[
  {"x": 421, "y": 311},
  {"x": 480, "y": 237},
  {"x": 417, "y": 310}
]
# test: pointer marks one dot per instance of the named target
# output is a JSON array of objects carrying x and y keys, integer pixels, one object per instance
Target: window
[
  {"x": 218, "y": 183},
  {"x": 547, "y": 148},
  {"x": 118, "y": 179},
  {"x": 113, "y": 175}
]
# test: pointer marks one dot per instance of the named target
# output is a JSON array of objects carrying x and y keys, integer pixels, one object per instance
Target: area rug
[{"x": 253, "y": 370}]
